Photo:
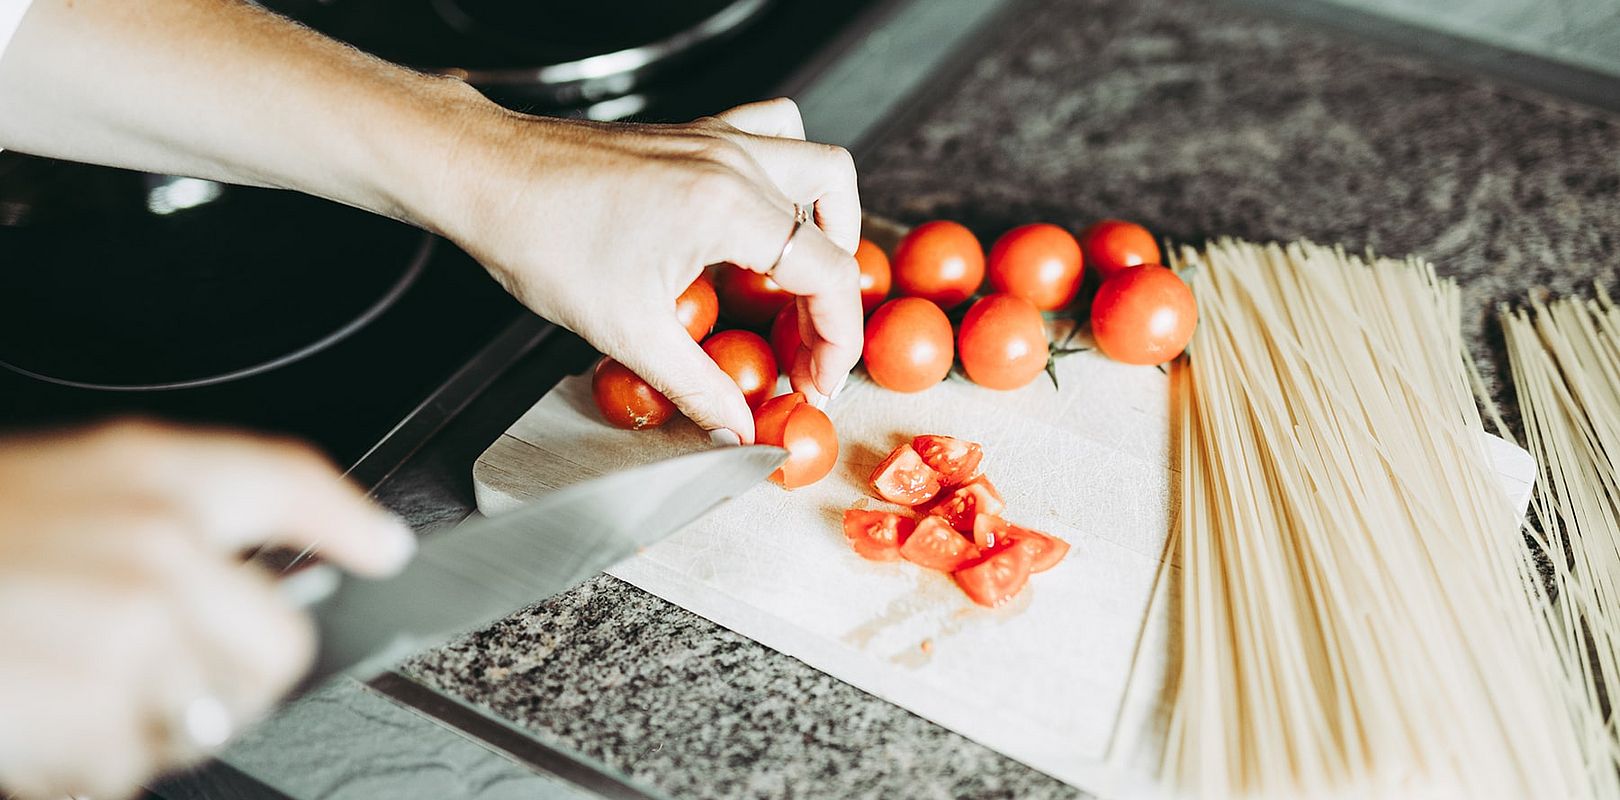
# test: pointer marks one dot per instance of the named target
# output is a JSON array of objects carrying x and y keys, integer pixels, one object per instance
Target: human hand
[
  {"x": 134, "y": 636},
  {"x": 599, "y": 227}
]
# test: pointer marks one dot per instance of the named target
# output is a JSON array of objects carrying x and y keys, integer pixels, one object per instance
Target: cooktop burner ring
[{"x": 408, "y": 278}]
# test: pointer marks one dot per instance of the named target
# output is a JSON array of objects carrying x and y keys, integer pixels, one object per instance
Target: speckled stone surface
[{"x": 1196, "y": 120}]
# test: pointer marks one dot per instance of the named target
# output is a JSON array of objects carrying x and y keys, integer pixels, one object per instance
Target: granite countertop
[{"x": 1193, "y": 118}]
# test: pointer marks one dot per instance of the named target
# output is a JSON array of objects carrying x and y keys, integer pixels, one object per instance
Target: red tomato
[
  {"x": 1040, "y": 263},
  {"x": 697, "y": 308},
  {"x": 627, "y": 401},
  {"x": 876, "y": 535},
  {"x": 996, "y": 578},
  {"x": 875, "y": 275},
  {"x": 935, "y": 545},
  {"x": 1113, "y": 245},
  {"x": 939, "y": 261},
  {"x": 956, "y": 460},
  {"x": 1002, "y": 342},
  {"x": 908, "y": 345},
  {"x": 967, "y": 501},
  {"x": 812, "y": 443},
  {"x": 785, "y": 340},
  {"x": 903, "y": 478},
  {"x": 748, "y": 297},
  {"x": 1143, "y": 316},
  {"x": 748, "y": 360},
  {"x": 992, "y": 533}
]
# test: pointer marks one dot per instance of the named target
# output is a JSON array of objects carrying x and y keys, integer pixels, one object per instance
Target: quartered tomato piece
[
  {"x": 995, "y": 578},
  {"x": 992, "y": 533},
  {"x": 967, "y": 501},
  {"x": 811, "y": 441},
  {"x": 956, "y": 460},
  {"x": 876, "y": 535},
  {"x": 936, "y": 545},
  {"x": 903, "y": 478}
]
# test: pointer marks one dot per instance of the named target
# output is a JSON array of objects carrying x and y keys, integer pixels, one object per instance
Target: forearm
[{"x": 223, "y": 89}]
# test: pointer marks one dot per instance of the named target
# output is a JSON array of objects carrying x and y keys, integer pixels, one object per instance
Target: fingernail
[
  {"x": 817, "y": 399},
  {"x": 401, "y": 541},
  {"x": 724, "y": 437},
  {"x": 838, "y": 389}
]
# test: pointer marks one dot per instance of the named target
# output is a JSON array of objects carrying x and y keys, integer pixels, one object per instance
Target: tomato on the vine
[
  {"x": 1040, "y": 263},
  {"x": 748, "y": 360},
  {"x": 908, "y": 345},
  {"x": 698, "y": 308},
  {"x": 789, "y": 421},
  {"x": 627, "y": 401},
  {"x": 1113, "y": 245},
  {"x": 1144, "y": 315},
  {"x": 939, "y": 261},
  {"x": 747, "y": 297},
  {"x": 876, "y": 276},
  {"x": 1002, "y": 343}
]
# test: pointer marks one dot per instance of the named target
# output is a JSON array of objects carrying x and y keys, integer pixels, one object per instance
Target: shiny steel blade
[{"x": 484, "y": 570}]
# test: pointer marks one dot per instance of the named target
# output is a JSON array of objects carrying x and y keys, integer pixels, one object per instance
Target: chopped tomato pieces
[
  {"x": 956, "y": 460},
  {"x": 1045, "y": 551},
  {"x": 936, "y": 545},
  {"x": 996, "y": 578},
  {"x": 967, "y": 501},
  {"x": 903, "y": 478},
  {"x": 876, "y": 535}
]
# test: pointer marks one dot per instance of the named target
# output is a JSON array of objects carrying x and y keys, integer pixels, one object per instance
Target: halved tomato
[
  {"x": 967, "y": 501},
  {"x": 956, "y": 460},
  {"x": 992, "y": 534},
  {"x": 903, "y": 478},
  {"x": 936, "y": 545},
  {"x": 995, "y": 578},
  {"x": 876, "y": 535},
  {"x": 811, "y": 441}
]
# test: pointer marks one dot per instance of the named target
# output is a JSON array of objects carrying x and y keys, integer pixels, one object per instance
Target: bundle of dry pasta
[{"x": 1359, "y": 614}]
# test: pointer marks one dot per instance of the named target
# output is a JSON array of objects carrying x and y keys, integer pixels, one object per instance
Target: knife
[{"x": 472, "y": 575}]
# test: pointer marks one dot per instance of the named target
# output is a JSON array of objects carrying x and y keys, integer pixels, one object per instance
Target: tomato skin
[
  {"x": 904, "y": 478},
  {"x": 1040, "y": 263},
  {"x": 627, "y": 401},
  {"x": 1144, "y": 316},
  {"x": 939, "y": 261},
  {"x": 908, "y": 345},
  {"x": 935, "y": 545},
  {"x": 956, "y": 460},
  {"x": 747, "y": 297},
  {"x": 1112, "y": 245},
  {"x": 996, "y": 578},
  {"x": 1003, "y": 342},
  {"x": 698, "y": 308},
  {"x": 876, "y": 275},
  {"x": 747, "y": 359},
  {"x": 785, "y": 340},
  {"x": 876, "y": 535},
  {"x": 790, "y": 421},
  {"x": 961, "y": 505}
]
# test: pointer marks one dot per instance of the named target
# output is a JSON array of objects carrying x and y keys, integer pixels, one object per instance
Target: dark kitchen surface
[{"x": 1196, "y": 119}]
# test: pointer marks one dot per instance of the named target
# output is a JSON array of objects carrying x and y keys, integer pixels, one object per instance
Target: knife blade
[{"x": 489, "y": 568}]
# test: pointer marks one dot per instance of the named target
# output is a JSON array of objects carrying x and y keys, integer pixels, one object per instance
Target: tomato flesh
[
  {"x": 876, "y": 535},
  {"x": 698, "y": 308},
  {"x": 790, "y": 422},
  {"x": 967, "y": 501},
  {"x": 992, "y": 534},
  {"x": 996, "y": 578},
  {"x": 956, "y": 460},
  {"x": 936, "y": 545},
  {"x": 904, "y": 478}
]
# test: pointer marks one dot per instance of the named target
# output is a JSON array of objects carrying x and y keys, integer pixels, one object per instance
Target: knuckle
[{"x": 712, "y": 185}]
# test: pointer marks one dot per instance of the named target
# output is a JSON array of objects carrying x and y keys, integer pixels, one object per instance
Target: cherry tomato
[
  {"x": 935, "y": 545},
  {"x": 1040, "y": 263},
  {"x": 627, "y": 401},
  {"x": 903, "y": 478},
  {"x": 996, "y": 578},
  {"x": 939, "y": 261},
  {"x": 1002, "y": 342},
  {"x": 962, "y": 504},
  {"x": 747, "y": 297},
  {"x": 908, "y": 345},
  {"x": 1144, "y": 315},
  {"x": 697, "y": 308},
  {"x": 785, "y": 340},
  {"x": 748, "y": 360},
  {"x": 812, "y": 443},
  {"x": 875, "y": 275},
  {"x": 876, "y": 535},
  {"x": 992, "y": 533},
  {"x": 1114, "y": 244},
  {"x": 956, "y": 460}
]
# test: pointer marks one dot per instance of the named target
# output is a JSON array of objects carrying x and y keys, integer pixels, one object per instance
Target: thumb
[{"x": 668, "y": 359}]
